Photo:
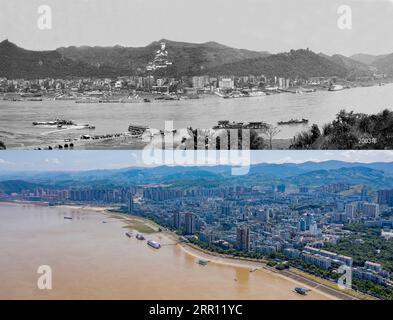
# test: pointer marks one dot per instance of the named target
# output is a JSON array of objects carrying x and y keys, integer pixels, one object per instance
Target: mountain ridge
[
  {"x": 304, "y": 173},
  {"x": 301, "y": 63},
  {"x": 188, "y": 59},
  {"x": 16, "y": 62},
  {"x": 383, "y": 63},
  {"x": 353, "y": 176}
]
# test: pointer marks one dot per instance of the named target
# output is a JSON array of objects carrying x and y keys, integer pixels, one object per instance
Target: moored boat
[
  {"x": 62, "y": 124},
  {"x": 256, "y": 94},
  {"x": 336, "y": 87},
  {"x": 292, "y": 121},
  {"x": 153, "y": 244},
  {"x": 140, "y": 236},
  {"x": 53, "y": 123},
  {"x": 302, "y": 291},
  {"x": 225, "y": 124},
  {"x": 137, "y": 129},
  {"x": 203, "y": 262}
]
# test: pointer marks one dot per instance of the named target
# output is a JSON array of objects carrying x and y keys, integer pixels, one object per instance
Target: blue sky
[
  {"x": 272, "y": 25},
  {"x": 88, "y": 160}
]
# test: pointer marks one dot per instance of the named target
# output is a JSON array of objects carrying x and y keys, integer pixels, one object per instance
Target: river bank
[
  {"x": 296, "y": 276},
  {"x": 133, "y": 96},
  {"x": 319, "y": 108}
]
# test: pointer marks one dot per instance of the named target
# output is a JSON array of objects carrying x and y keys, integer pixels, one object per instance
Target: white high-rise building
[{"x": 350, "y": 210}]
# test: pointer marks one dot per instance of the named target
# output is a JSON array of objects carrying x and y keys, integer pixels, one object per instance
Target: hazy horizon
[
  {"x": 258, "y": 25},
  {"x": 17, "y": 161}
]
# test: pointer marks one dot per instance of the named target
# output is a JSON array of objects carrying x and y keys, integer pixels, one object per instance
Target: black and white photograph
[{"x": 175, "y": 74}]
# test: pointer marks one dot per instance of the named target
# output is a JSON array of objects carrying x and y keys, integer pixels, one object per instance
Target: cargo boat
[
  {"x": 61, "y": 124},
  {"x": 256, "y": 94},
  {"x": 154, "y": 244},
  {"x": 140, "y": 237},
  {"x": 54, "y": 123},
  {"x": 301, "y": 291},
  {"x": 292, "y": 121},
  {"x": 225, "y": 124},
  {"x": 336, "y": 87},
  {"x": 203, "y": 262},
  {"x": 137, "y": 129}
]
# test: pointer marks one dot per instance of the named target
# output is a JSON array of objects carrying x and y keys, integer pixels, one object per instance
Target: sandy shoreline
[{"x": 198, "y": 253}]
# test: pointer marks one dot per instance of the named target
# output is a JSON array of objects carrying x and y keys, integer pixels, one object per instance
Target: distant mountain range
[
  {"x": 11, "y": 186},
  {"x": 383, "y": 63},
  {"x": 188, "y": 59},
  {"x": 296, "y": 63},
  {"x": 18, "y": 63},
  {"x": 354, "y": 176},
  {"x": 353, "y": 67},
  {"x": 367, "y": 59},
  {"x": 376, "y": 175}
]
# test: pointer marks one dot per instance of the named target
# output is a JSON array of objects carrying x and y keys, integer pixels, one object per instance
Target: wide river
[
  {"x": 320, "y": 107},
  {"x": 94, "y": 260}
]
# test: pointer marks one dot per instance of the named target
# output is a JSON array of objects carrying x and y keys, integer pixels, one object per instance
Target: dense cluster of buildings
[{"x": 147, "y": 83}]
